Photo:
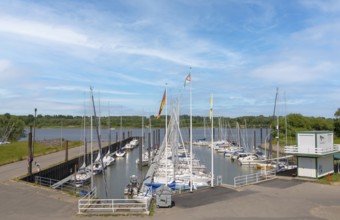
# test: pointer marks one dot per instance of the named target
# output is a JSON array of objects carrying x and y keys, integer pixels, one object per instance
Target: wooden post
[
  {"x": 30, "y": 152},
  {"x": 66, "y": 150}
]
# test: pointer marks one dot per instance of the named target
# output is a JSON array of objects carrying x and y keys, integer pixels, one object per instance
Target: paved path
[
  {"x": 13, "y": 170},
  {"x": 276, "y": 199}
]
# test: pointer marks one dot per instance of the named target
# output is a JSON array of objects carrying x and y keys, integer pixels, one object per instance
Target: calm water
[
  {"x": 117, "y": 175},
  {"x": 78, "y": 134}
]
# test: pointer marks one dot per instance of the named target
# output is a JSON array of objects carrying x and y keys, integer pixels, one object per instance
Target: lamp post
[{"x": 35, "y": 116}]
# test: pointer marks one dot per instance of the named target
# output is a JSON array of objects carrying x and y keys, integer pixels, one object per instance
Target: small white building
[{"x": 314, "y": 152}]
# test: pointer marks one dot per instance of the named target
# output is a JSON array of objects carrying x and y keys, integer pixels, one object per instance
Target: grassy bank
[
  {"x": 19, "y": 150},
  {"x": 334, "y": 179}
]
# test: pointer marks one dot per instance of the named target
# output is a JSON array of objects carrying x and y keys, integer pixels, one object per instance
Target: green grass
[
  {"x": 334, "y": 178},
  {"x": 336, "y": 140},
  {"x": 16, "y": 151}
]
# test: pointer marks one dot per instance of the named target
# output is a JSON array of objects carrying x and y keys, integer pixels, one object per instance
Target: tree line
[{"x": 12, "y": 127}]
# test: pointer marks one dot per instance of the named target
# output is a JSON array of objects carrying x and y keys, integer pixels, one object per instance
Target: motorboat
[
  {"x": 251, "y": 159},
  {"x": 134, "y": 143},
  {"x": 120, "y": 153},
  {"x": 132, "y": 188}
]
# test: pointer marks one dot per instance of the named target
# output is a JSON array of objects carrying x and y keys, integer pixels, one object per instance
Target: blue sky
[{"x": 51, "y": 52}]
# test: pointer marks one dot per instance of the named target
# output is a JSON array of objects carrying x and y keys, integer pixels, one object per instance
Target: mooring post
[
  {"x": 66, "y": 150},
  {"x": 30, "y": 152}
]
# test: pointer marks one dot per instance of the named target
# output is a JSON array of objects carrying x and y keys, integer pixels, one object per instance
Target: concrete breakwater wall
[{"x": 69, "y": 167}]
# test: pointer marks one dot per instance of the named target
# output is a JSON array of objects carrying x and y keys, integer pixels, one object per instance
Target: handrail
[
  {"x": 107, "y": 206},
  {"x": 65, "y": 186},
  {"x": 318, "y": 150},
  {"x": 254, "y": 178}
]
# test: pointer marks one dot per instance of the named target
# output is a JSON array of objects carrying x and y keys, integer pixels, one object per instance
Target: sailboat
[
  {"x": 97, "y": 165},
  {"x": 108, "y": 158},
  {"x": 145, "y": 156},
  {"x": 203, "y": 141},
  {"x": 120, "y": 152},
  {"x": 83, "y": 175}
]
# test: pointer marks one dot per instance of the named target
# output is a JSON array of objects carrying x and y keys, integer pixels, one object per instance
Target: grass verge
[
  {"x": 334, "y": 179},
  {"x": 17, "y": 151}
]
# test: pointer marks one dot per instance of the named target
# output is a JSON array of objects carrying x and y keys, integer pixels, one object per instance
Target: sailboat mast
[
  {"x": 84, "y": 121},
  {"x": 270, "y": 137},
  {"x": 109, "y": 126},
  {"x": 91, "y": 136},
  {"x": 99, "y": 142},
  {"x": 204, "y": 127},
  {"x": 121, "y": 133},
  {"x": 212, "y": 140},
  {"x": 277, "y": 138},
  {"x": 191, "y": 183},
  {"x": 151, "y": 142}
]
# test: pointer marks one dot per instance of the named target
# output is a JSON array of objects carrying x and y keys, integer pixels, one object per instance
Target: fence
[
  {"x": 113, "y": 206},
  {"x": 63, "y": 185},
  {"x": 311, "y": 150},
  {"x": 254, "y": 178}
]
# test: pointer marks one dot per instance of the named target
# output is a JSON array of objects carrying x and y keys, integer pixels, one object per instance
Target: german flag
[{"x": 162, "y": 105}]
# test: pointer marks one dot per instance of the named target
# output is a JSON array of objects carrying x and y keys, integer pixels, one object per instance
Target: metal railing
[
  {"x": 65, "y": 186},
  {"x": 318, "y": 150},
  {"x": 254, "y": 178},
  {"x": 113, "y": 206}
]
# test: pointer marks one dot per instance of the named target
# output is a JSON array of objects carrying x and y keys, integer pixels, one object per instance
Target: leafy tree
[
  {"x": 337, "y": 114},
  {"x": 11, "y": 128},
  {"x": 337, "y": 123}
]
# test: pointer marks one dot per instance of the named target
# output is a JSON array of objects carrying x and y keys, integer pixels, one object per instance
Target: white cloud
[
  {"x": 45, "y": 31},
  {"x": 292, "y": 71},
  {"x": 323, "y": 5},
  {"x": 9, "y": 73},
  {"x": 84, "y": 89},
  {"x": 321, "y": 38},
  {"x": 4, "y": 65}
]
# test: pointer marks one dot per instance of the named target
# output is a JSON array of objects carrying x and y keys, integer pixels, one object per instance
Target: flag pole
[
  {"x": 166, "y": 133},
  {"x": 212, "y": 141},
  {"x": 191, "y": 182}
]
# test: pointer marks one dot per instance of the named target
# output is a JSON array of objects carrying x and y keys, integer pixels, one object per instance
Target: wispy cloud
[
  {"x": 292, "y": 71},
  {"x": 84, "y": 89},
  {"x": 323, "y": 5},
  {"x": 44, "y": 31}
]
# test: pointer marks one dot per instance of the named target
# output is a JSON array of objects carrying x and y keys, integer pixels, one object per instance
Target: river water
[{"x": 117, "y": 175}]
